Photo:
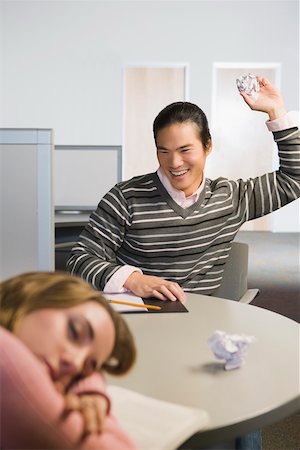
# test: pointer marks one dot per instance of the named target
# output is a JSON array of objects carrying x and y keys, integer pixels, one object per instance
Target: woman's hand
[
  {"x": 146, "y": 286},
  {"x": 93, "y": 409},
  {"x": 269, "y": 100}
]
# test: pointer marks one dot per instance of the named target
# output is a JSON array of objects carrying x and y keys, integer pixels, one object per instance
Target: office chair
[{"x": 234, "y": 283}]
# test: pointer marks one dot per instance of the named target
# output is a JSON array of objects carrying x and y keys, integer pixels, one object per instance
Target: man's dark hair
[{"x": 180, "y": 112}]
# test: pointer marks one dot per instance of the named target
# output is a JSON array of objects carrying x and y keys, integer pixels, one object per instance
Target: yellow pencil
[{"x": 119, "y": 302}]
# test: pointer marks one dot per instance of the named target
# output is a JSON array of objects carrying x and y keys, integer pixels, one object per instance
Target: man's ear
[{"x": 208, "y": 147}]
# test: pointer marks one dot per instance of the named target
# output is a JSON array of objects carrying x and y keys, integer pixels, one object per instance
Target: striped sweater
[{"x": 139, "y": 224}]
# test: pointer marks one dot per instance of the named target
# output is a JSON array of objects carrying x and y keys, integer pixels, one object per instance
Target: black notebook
[
  {"x": 166, "y": 306},
  {"x": 127, "y": 303}
]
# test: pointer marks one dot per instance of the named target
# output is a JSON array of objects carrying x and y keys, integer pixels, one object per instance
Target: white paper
[
  {"x": 231, "y": 347},
  {"x": 249, "y": 85},
  {"x": 125, "y": 297},
  {"x": 155, "y": 424}
]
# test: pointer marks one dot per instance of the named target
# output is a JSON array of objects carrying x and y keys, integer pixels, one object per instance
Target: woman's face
[{"x": 69, "y": 342}]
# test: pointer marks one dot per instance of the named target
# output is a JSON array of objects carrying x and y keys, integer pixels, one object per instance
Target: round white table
[{"x": 176, "y": 364}]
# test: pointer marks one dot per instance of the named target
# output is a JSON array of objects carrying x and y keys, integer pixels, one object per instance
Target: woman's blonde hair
[{"x": 30, "y": 291}]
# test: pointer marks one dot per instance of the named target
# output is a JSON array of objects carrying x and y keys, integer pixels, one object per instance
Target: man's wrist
[
  {"x": 277, "y": 113},
  {"x": 131, "y": 279},
  {"x": 116, "y": 283},
  {"x": 289, "y": 120}
]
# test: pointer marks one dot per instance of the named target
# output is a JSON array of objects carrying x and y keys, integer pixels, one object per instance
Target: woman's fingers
[
  {"x": 92, "y": 408},
  {"x": 89, "y": 413}
]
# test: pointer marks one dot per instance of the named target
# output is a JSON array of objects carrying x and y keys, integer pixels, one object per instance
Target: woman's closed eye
[{"x": 80, "y": 330}]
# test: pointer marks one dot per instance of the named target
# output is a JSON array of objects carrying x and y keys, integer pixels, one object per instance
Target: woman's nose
[{"x": 72, "y": 363}]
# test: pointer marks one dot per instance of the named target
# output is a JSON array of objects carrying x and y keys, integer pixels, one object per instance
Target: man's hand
[
  {"x": 269, "y": 100},
  {"x": 93, "y": 409},
  {"x": 146, "y": 286}
]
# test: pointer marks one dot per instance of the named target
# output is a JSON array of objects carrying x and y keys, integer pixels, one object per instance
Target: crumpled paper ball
[
  {"x": 249, "y": 85},
  {"x": 231, "y": 347}
]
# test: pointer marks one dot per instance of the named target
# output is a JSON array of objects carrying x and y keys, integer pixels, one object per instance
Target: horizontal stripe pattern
[{"x": 138, "y": 223}]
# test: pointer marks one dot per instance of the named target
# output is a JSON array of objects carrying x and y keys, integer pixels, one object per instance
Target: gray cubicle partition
[
  {"x": 26, "y": 201},
  {"x": 83, "y": 174}
]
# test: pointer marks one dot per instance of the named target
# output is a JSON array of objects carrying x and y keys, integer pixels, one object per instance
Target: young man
[{"x": 170, "y": 232}]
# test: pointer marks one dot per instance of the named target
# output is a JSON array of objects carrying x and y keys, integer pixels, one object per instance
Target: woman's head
[
  {"x": 68, "y": 325},
  {"x": 181, "y": 112}
]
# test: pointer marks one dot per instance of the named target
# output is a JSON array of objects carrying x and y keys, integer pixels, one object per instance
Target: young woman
[{"x": 57, "y": 336}]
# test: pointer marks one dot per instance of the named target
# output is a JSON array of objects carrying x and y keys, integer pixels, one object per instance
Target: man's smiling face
[{"x": 181, "y": 156}]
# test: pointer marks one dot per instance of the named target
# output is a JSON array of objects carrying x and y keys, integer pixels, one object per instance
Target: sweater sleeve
[
  {"x": 94, "y": 255},
  {"x": 264, "y": 194}
]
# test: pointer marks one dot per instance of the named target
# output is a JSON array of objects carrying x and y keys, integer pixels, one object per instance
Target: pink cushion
[{"x": 31, "y": 408}]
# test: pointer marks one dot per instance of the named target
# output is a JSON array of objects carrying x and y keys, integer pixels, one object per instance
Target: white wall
[{"x": 63, "y": 60}]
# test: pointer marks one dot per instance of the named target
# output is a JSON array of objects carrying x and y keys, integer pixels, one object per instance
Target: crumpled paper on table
[
  {"x": 231, "y": 347},
  {"x": 249, "y": 85}
]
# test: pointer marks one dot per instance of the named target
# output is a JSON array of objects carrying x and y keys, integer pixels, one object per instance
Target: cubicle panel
[
  {"x": 19, "y": 244},
  {"x": 83, "y": 174},
  {"x": 27, "y": 231}
]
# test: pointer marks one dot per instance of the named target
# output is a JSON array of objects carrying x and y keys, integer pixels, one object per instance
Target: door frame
[{"x": 149, "y": 65}]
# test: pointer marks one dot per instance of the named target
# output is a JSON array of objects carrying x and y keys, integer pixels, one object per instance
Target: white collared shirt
[{"x": 179, "y": 196}]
